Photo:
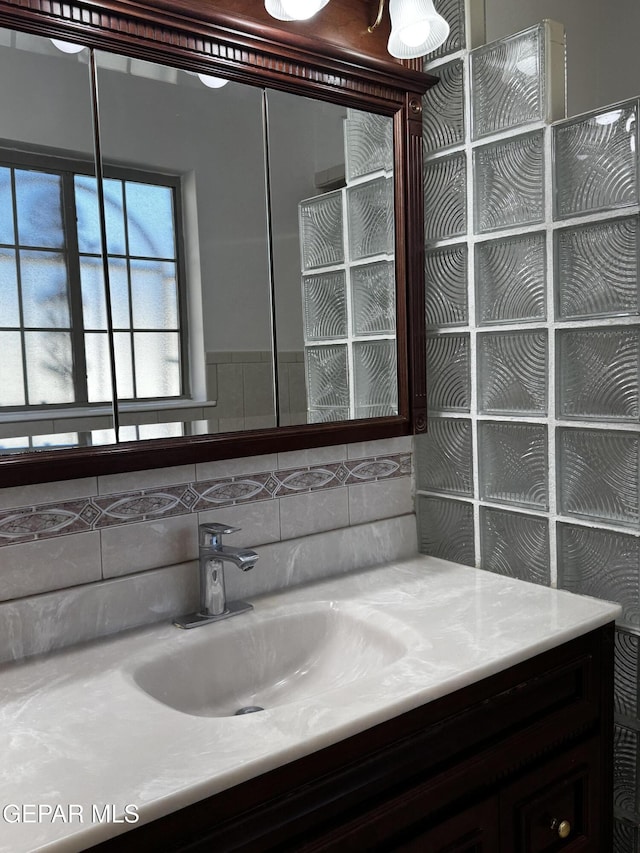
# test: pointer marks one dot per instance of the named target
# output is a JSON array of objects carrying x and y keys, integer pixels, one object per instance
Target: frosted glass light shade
[
  {"x": 293, "y": 10},
  {"x": 416, "y": 28}
]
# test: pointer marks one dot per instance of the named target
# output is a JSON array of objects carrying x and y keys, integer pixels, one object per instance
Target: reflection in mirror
[
  {"x": 331, "y": 178},
  {"x": 55, "y": 381},
  {"x": 226, "y": 207},
  {"x": 187, "y": 239}
]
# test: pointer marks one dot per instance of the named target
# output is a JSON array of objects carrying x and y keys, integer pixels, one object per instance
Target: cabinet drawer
[{"x": 554, "y": 808}]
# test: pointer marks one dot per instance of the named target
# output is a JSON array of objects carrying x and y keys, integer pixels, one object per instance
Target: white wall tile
[
  {"x": 380, "y": 447},
  {"x": 41, "y": 493},
  {"x": 381, "y": 499},
  {"x": 312, "y": 456},
  {"x": 47, "y": 564},
  {"x": 259, "y": 522},
  {"x": 46, "y": 622},
  {"x": 130, "y": 548},
  {"x": 336, "y": 552},
  {"x": 326, "y": 509},
  {"x": 234, "y": 467},
  {"x": 110, "y": 484}
]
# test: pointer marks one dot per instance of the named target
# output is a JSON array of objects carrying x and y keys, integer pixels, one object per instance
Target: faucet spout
[
  {"x": 212, "y": 557},
  {"x": 243, "y": 558}
]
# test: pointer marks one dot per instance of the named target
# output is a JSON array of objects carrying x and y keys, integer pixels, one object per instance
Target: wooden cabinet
[{"x": 520, "y": 762}]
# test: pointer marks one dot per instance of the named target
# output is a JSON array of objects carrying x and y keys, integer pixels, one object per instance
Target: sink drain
[{"x": 248, "y": 709}]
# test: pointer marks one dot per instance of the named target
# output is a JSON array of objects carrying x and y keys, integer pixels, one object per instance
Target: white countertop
[{"x": 76, "y": 730}]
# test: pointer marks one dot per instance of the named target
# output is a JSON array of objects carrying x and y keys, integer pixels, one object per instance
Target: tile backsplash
[{"x": 84, "y": 558}]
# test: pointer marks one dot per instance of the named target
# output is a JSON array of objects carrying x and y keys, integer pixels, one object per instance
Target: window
[{"x": 53, "y": 323}]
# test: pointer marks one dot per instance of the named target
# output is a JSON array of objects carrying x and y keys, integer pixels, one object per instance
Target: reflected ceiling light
[
  {"x": 209, "y": 80},
  {"x": 416, "y": 28},
  {"x": 67, "y": 46},
  {"x": 293, "y": 10},
  {"x": 609, "y": 118},
  {"x": 212, "y": 82}
]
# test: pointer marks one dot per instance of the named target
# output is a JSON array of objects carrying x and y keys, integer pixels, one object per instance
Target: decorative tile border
[{"x": 45, "y": 521}]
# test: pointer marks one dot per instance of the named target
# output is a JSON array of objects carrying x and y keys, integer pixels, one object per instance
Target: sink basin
[{"x": 267, "y": 660}]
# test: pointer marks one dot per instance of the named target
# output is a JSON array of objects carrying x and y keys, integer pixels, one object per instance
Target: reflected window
[{"x": 53, "y": 324}]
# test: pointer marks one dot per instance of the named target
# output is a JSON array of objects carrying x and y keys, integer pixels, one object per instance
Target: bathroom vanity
[
  {"x": 421, "y": 705},
  {"x": 518, "y": 762}
]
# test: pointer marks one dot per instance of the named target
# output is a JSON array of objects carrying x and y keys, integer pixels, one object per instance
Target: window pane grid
[
  {"x": 53, "y": 295},
  {"x": 149, "y": 364}
]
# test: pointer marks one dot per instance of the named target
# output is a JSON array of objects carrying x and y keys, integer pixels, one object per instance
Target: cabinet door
[
  {"x": 472, "y": 831},
  {"x": 389, "y": 830},
  {"x": 557, "y": 808}
]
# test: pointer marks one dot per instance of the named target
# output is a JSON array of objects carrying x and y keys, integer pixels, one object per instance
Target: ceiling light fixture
[
  {"x": 416, "y": 27},
  {"x": 293, "y": 10}
]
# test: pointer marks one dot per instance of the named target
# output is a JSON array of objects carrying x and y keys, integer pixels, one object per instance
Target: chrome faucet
[{"x": 212, "y": 556}]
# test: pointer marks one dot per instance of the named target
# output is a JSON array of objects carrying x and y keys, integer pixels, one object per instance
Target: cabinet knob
[{"x": 562, "y": 827}]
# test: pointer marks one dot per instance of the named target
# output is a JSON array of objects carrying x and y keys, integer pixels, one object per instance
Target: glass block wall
[
  {"x": 531, "y": 465},
  {"x": 348, "y": 281}
]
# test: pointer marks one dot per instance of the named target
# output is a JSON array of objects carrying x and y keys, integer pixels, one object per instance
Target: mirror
[
  {"x": 331, "y": 178},
  {"x": 259, "y": 289},
  {"x": 237, "y": 219},
  {"x": 191, "y": 303},
  {"x": 53, "y": 365}
]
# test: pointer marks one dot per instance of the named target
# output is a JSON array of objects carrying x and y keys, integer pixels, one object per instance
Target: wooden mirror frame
[{"x": 332, "y": 57}]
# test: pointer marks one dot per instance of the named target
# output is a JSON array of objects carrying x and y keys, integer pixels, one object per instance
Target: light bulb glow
[
  {"x": 609, "y": 118},
  {"x": 300, "y": 10},
  {"x": 212, "y": 82},
  {"x": 415, "y": 34},
  {"x": 67, "y": 46},
  {"x": 416, "y": 28},
  {"x": 294, "y": 10}
]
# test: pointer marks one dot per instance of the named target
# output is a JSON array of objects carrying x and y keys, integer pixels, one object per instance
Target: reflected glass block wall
[
  {"x": 348, "y": 281},
  {"x": 531, "y": 465}
]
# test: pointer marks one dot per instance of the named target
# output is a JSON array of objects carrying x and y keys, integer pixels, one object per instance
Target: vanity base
[{"x": 520, "y": 762}]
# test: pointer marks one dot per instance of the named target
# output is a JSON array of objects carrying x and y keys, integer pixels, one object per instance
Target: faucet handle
[{"x": 211, "y": 533}]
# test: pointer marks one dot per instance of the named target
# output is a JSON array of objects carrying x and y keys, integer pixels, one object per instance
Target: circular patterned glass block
[
  {"x": 511, "y": 279},
  {"x": 507, "y": 82},
  {"x": 325, "y": 306},
  {"x": 368, "y": 143},
  {"x": 603, "y": 564},
  {"x": 373, "y": 297},
  {"x": 448, "y": 373},
  {"x": 598, "y": 373},
  {"x": 598, "y": 475},
  {"x": 512, "y": 373},
  {"x": 443, "y": 109},
  {"x": 515, "y": 545},
  {"x": 446, "y": 529},
  {"x": 444, "y": 457},
  {"x": 509, "y": 183},
  {"x": 445, "y": 198},
  {"x": 513, "y": 464},
  {"x": 596, "y": 161},
  {"x": 321, "y": 231},
  {"x": 446, "y": 286},
  {"x": 606, "y": 256}
]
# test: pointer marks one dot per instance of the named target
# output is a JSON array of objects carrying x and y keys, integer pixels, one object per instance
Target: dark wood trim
[
  {"x": 415, "y": 263},
  {"x": 51, "y": 465},
  {"x": 330, "y": 58}
]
